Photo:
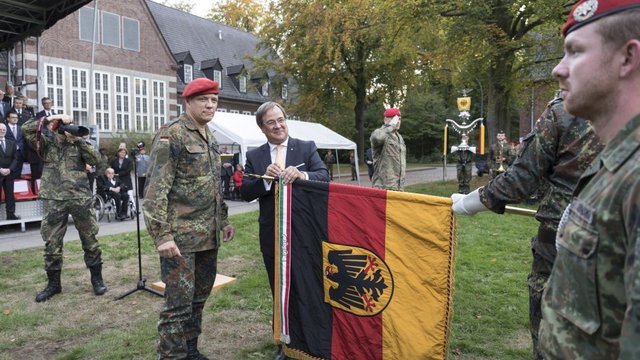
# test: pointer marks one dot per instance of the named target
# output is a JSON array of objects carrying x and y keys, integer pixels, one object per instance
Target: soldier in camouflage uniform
[
  {"x": 500, "y": 155},
  {"x": 464, "y": 165},
  {"x": 389, "y": 153},
  {"x": 591, "y": 305},
  {"x": 556, "y": 152},
  {"x": 65, "y": 190},
  {"x": 184, "y": 211}
]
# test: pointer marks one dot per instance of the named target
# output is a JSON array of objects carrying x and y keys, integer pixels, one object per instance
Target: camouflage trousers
[
  {"x": 541, "y": 265},
  {"x": 54, "y": 227},
  {"x": 188, "y": 283},
  {"x": 464, "y": 177}
]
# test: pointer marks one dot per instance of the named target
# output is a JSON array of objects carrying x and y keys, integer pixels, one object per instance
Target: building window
[
  {"x": 265, "y": 89},
  {"x": 110, "y": 29},
  {"x": 141, "y": 111},
  {"x": 55, "y": 85},
  {"x": 122, "y": 102},
  {"x": 285, "y": 91},
  {"x": 188, "y": 73},
  {"x": 243, "y": 84},
  {"x": 101, "y": 91},
  {"x": 246, "y": 113},
  {"x": 86, "y": 21},
  {"x": 221, "y": 110},
  {"x": 179, "y": 108},
  {"x": 235, "y": 112},
  {"x": 130, "y": 34},
  {"x": 159, "y": 102},
  {"x": 217, "y": 76},
  {"x": 80, "y": 95}
]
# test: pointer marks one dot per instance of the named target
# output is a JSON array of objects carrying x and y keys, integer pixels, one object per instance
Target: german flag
[{"x": 362, "y": 273}]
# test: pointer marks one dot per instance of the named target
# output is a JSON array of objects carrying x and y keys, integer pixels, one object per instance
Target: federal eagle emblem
[{"x": 355, "y": 279}]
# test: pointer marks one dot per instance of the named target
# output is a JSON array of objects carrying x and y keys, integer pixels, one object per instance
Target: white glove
[{"x": 469, "y": 204}]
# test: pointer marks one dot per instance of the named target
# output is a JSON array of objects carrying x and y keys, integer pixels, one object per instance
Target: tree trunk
[{"x": 499, "y": 95}]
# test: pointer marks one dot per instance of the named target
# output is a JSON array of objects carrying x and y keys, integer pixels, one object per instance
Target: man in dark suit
[
  {"x": 111, "y": 187},
  {"x": 282, "y": 156},
  {"x": 24, "y": 114},
  {"x": 47, "y": 103},
  {"x": 9, "y": 164}
]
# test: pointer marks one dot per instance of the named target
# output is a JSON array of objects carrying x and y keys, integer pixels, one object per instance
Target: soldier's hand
[
  {"x": 395, "y": 121},
  {"x": 169, "y": 250},
  {"x": 228, "y": 232}
]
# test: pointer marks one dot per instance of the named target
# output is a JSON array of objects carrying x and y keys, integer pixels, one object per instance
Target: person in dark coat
[{"x": 122, "y": 166}]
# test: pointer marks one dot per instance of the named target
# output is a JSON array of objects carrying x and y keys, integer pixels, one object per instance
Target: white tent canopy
[{"x": 237, "y": 130}]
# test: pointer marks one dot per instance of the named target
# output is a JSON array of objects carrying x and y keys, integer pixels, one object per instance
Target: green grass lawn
[{"x": 490, "y": 318}]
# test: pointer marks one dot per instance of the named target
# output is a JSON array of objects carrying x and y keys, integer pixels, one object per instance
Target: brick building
[{"x": 130, "y": 79}]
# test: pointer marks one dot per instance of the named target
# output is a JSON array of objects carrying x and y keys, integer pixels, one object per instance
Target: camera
[{"x": 75, "y": 130}]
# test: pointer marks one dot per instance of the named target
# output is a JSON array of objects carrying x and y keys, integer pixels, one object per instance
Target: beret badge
[{"x": 585, "y": 10}]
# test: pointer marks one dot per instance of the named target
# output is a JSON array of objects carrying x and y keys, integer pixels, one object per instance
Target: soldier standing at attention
[
  {"x": 389, "y": 153},
  {"x": 65, "y": 190},
  {"x": 591, "y": 304},
  {"x": 184, "y": 212},
  {"x": 500, "y": 155},
  {"x": 556, "y": 152},
  {"x": 464, "y": 164}
]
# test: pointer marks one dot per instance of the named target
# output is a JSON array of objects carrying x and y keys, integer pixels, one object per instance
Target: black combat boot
[
  {"x": 53, "y": 286},
  {"x": 99, "y": 288},
  {"x": 192, "y": 350}
]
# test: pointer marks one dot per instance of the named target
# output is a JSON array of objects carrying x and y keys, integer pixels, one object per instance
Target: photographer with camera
[{"x": 65, "y": 191}]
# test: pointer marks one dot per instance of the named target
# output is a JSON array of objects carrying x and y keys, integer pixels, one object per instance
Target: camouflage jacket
[
  {"x": 182, "y": 199},
  {"x": 557, "y": 151},
  {"x": 591, "y": 307},
  {"x": 64, "y": 176},
  {"x": 498, "y": 151},
  {"x": 389, "y": 159}
]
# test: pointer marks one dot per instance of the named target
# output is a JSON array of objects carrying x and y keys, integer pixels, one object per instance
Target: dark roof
[
  {"x": 181, "y": 57},
  {"x": 235, "y": 69},
  {"x": 206, "y": 64},
  {"x": 24, "y": 18},
  {"x": 205, "y": 40}
]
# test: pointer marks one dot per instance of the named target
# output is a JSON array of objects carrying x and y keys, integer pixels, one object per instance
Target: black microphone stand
[{"x": 141, "y": 282}]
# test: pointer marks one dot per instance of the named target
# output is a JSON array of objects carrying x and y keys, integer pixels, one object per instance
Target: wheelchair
[{"x": 106, "y": 206}]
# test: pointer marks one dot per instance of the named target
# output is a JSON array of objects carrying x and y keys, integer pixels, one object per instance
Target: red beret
[
  {"x": 587, "y": 11},
  {"x": 391, "y": 112},
  {"x": 200, "y": 86}
]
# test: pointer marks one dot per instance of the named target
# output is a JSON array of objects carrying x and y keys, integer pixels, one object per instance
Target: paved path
[{"x": 11, "y": 238}]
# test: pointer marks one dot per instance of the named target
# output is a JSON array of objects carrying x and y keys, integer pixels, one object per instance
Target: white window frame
[
  {"x": 179, "y": 109},
  {"x": 243, "y": 84},
  {"x": 158, "y": 103},
  {"x": 94, "y": 21},
  {"x": 235, "y": 111},
  {"x": 188, "y": 73},
  {"x": 217, "y": 76},
  {"x": 119, "y": 31},
  {"x": 265, "y": 89},
  {"x": 54, "y": 84},
  {"x": 102, "y": 103},
  {"x": 122, "y": 98},
  {"x": 245, "y": 112},
  {"x": 285, "y": 91},
  {"x": 141, "y": 104},
  {"x": 123, "y": 19},
  {"x": 222, "y": 110},
  {"x": 79, "y": 79}
]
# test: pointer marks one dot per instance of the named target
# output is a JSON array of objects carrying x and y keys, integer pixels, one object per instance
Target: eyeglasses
[{"x": 272, "y": 123}]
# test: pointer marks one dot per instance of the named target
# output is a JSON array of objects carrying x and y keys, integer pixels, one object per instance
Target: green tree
[
  {"x": 488, "y": 42},
  {"x": 247, "y": 15},
  {"x": 344, "y": 52},
  {"x": 182, "y": 5}
]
